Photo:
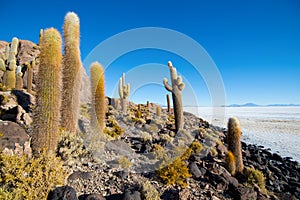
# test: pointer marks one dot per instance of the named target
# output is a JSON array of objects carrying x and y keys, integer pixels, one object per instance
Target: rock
[
  {"x": 244, "y": 193},
  {"x": 185, "y": 194},
  {"x": 63, "y": 193},
  {"x": 12, "y": 133},
  {"x": 135, "y": 195},
  {"x": 195, "y": 170},
  {"x": 231, "y": 180},
  {"x": 119, "y": 147},
  {"x": 79, "y": 175},
  {"x": 24, "y": 99},
  {"x": 91, "y": 197},
  {"x": 221, "y": 150},
  {"x": 277, "y": 157}
]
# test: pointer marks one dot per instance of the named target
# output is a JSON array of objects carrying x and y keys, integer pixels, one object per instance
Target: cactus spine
[
  {"x": 124, "y": 91},
  {"x": 176, "y": 88},
  {"x": 47, "y": 110},
  {"x": 98, "y": 97},
  {"x": 71, "y": 73},
  {"x": 234, "y": 143},
  {"x": 168, "y": 104}
]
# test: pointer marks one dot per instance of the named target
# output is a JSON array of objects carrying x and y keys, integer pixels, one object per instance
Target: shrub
[
  {"x": 149, "y": 192},
  {"x": 113, "y": 129},
  {"x": 255, "y": 176},
  {"x": 124, "y": 162},
  {"x": 29, "y": 178}
]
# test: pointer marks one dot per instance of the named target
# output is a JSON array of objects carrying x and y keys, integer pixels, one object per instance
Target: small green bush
[
  {"x": 254, "y": 176},
  {"x": 113, "y": 129},
  {"x": 29, "y": 178},
  {"x": 124, "y": 162}
]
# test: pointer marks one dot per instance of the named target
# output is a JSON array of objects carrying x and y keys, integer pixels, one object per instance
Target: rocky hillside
[{"x": 141, "y": 156}]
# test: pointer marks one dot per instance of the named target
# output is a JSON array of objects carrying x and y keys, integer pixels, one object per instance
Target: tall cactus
[
  {"x": 176, "y": 88},
  {"x": 10, "y": 75},
  {"x": 234, "y": 143},
  {"x": 168, "y": 103},
  {"x": 98, "y": 97},
  {"x": 124, "y": 91},
  {"x": 41, "y": 36},
  {"x": 47, "y": 110},
  {"x": 30, "y": 75},
  {"x": 72, "y": 68},
  {"x": 13, "y": 49}
]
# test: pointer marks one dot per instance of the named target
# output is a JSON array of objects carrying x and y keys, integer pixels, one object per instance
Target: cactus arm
[
  {"x": 167, "y": 86},
  {"x": 126, "y": 90},
  {"x": 2, "y": 65},
  {"x": 179, "y": 83},
  {"x": 181, "y": 86},
  {"x": 19, "y": 71}
]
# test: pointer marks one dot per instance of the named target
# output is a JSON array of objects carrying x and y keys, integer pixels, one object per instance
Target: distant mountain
[{"x": 256, "y": 105}]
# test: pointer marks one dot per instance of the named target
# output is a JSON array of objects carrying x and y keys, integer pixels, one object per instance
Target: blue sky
[{"x": 254, "y": 44}]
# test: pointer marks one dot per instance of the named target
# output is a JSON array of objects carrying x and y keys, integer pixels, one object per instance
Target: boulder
[
  {"x": 63, "y": 193},
  {"x": 12, "y": 133}
]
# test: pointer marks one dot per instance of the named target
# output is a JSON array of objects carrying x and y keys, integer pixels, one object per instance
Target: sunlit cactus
[
  {"x": 48, "y": 100},
  {"x": 176, "y": 88},
  {"x": 19, "y": 78},
  {"x": 13, "y": 49},
  {"x": 98, "y": 97},
  {"x": 230, "y": 162},
  {"x": 10, "y": 75},
  {"x": 124, "y": 91},
  {"x": 2, "y": 65},
  {"x": 41, "y": 37},
  {"x": 158, "y": 111},
  {"x": 234, "y": 143},
  {"x": 71, "y": 71}
]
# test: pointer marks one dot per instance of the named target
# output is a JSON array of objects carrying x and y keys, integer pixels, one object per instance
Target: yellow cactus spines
[
  {"x": 71, "y": 69},
  {"x": 230, "y": 162},
  {"x": 48, "y": 101},
  {"x": 19, "y": 79},
  {"x": 158, "y": 111},
  {"x": 234, "y": 143},
  {"x": 98, "y": 97}
]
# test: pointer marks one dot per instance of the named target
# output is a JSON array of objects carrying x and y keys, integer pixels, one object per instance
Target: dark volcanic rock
[{"x": 63, "y": 193}]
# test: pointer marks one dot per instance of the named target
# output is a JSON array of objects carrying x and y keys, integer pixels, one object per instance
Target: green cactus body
[
  {"x": 98, "y": 97},
  {"x": 30, "y": 75},
  {"x": 234, "y": 143},
  {"x": 124, "y": 91},
  {"x": 48, "y": 100},
  {"x": 176, "y": 88},
  {"x": 72, "y": 68},
  {"x": 19, "y": 79}
]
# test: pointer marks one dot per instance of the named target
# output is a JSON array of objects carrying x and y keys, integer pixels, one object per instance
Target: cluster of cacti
[
  {"x": 48, "y": 102},
  {"x": 71, "y": 71},
  {"x": 234, "y": 156},
  {"x": 176, "y": 88},
  {"x": 98, "y": 97},
  {"x": 9, "y": 57},
  {"x": 124, "y": 91}
]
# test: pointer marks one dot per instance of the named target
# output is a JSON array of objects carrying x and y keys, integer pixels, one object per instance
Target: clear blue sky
[{"x": 255, "y": 44}]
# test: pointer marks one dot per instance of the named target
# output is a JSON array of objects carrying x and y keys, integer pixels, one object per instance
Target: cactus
[
  {"x": 98, "y": 97},
  {"x": 72, "y": 69},
  {"x": 124, "y": 91},
  {"x": 13, "y": 49},
  {"x": 47, "y": 110},
  {"x": 19, "y": 79},
  {"x": 139, "y": 111},
  {"x": 176, "y": 88},
  {"x": 234, "y": 143},
  {"x": 10, "y": 75},
  {"x": 41, "y": 37},
  {"x": 30, "y": 75},
  {"x": 168, "y": 104},
  {"x": 2, "y": 65},
  {"x": 230, "y": 162},
  {"x": 158, "y": 111}
]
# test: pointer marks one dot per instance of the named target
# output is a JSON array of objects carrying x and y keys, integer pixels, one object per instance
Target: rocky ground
[{"x": 124, "y": 166}]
